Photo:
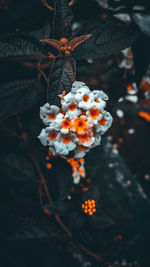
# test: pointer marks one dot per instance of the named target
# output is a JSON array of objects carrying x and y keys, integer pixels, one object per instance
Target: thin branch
[
  {"x": 90, "y": 253},
  {"x": 47, "y": 6},
  {"x": 72, "y": 3},
  {"x": 41, "y": 73},
  {"x": 69, "y": 234},
  {"x": 38, "y": 66},
  {"x": 42, "y": 178}
]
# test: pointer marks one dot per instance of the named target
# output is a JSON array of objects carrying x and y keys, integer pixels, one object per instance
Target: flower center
[
  {"x": 52, "y": 135},
  {"x": 85, "y": 98},
  {"x": 94, "y": 112},
  {"x": 102, "y": 121},
  {"x": 80, "y": 123},
  {"x": 52, "y": 116},
  {"x": 72, "y": 106},
  {"x": 129, "y": 87},
  {"x": 82, "y": 148},
  {"x": 97, "y": 100},
  {"x": 66, "y": 140},
  {"x": 79, "y": 126},
  {"x": 84, "y": 138},
  {"x": 66, "y": 124},
  {"x": 81, "y": 171}
]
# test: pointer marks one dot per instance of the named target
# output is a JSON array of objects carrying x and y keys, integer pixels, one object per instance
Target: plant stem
[{"x": 67, "y": 231}]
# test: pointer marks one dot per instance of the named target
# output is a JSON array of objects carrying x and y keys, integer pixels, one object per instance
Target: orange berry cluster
[{"x": 89, "y": 207}]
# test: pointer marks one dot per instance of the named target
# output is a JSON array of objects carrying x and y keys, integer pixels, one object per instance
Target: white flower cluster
[{"x": 79, "y": 123}]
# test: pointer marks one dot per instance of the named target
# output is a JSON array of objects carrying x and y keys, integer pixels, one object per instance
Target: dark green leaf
[
  {"x": 92, "y": 193},
  {"x": 143, "y": 22},
  {"x": 75, "y": 220},
  {"x": 100, "y": 221},
  {"x": 60, "y": 179},
  {"x": 62, "y": 23},
  {"x": 20, "y": 174},
  {"x": 109, "y": 36},
  {"x": 42, "y": 33},
  {"x": 58, "y": 208},
  {"x": 20, "y": 45},
  {"x": 25, "y": 10},
  {"x": 17, "y": 167},
  {"x": 62, "y": 76},
  {"x": 26, "y": 221},
  {"x": 19, "y": 95},
  {"x": 122, "y": 203}
]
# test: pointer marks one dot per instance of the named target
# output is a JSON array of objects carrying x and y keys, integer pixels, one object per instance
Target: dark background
[{"x": 118, "y": 172}]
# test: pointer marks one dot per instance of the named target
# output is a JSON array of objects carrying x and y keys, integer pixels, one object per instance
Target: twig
[
  {"x": 72, "y": 3},
  {"x": 42, "y": 178},
  {"x": 47, "y": 6},
  {"x": 37, "y": 66},
  {"x": 69, "y": 234},
  {"x": 90, "y": 253}
]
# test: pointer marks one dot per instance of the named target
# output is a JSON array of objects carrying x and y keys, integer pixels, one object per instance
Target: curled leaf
[{"x": 109, "y": 36}]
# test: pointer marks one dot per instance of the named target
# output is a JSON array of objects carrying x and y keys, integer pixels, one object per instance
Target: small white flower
[
  {"x": 43, "y": 137},
  {"x": 100, "y": 95},
  {"x": 80, "y": 152},
  {"x": 127, "y": 52},
  {"x": 48, "y": 113},
  {"x": 48, "y": 136},
  {"x": 81, "y": 92},
  {"x": 132, "y": 89},
  {"x": 76, "y": 178},
  {"x": 66, "y": 125},
  {"x": 86, "y": 140},
  {"x": 104, "y": 124},
  {"x": 85, "y": 99},
  {"x": 120, "y": 113},
  {"x": 95, "y": 114},
  {"x": 76, "y": 85},
  {"x": 73, "y": 114},
  {"x": 57, "y": 123},
  {"x": 97, "y": 140},
  {"x": 51, "y": 135},
  {"x": 126, "y": 64},
  {"x": 69, "y": 98},
  {"x": 65, "y": 143},
  {"x": 71, "y": 109},
  {"x": 132, "y": 98}
]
